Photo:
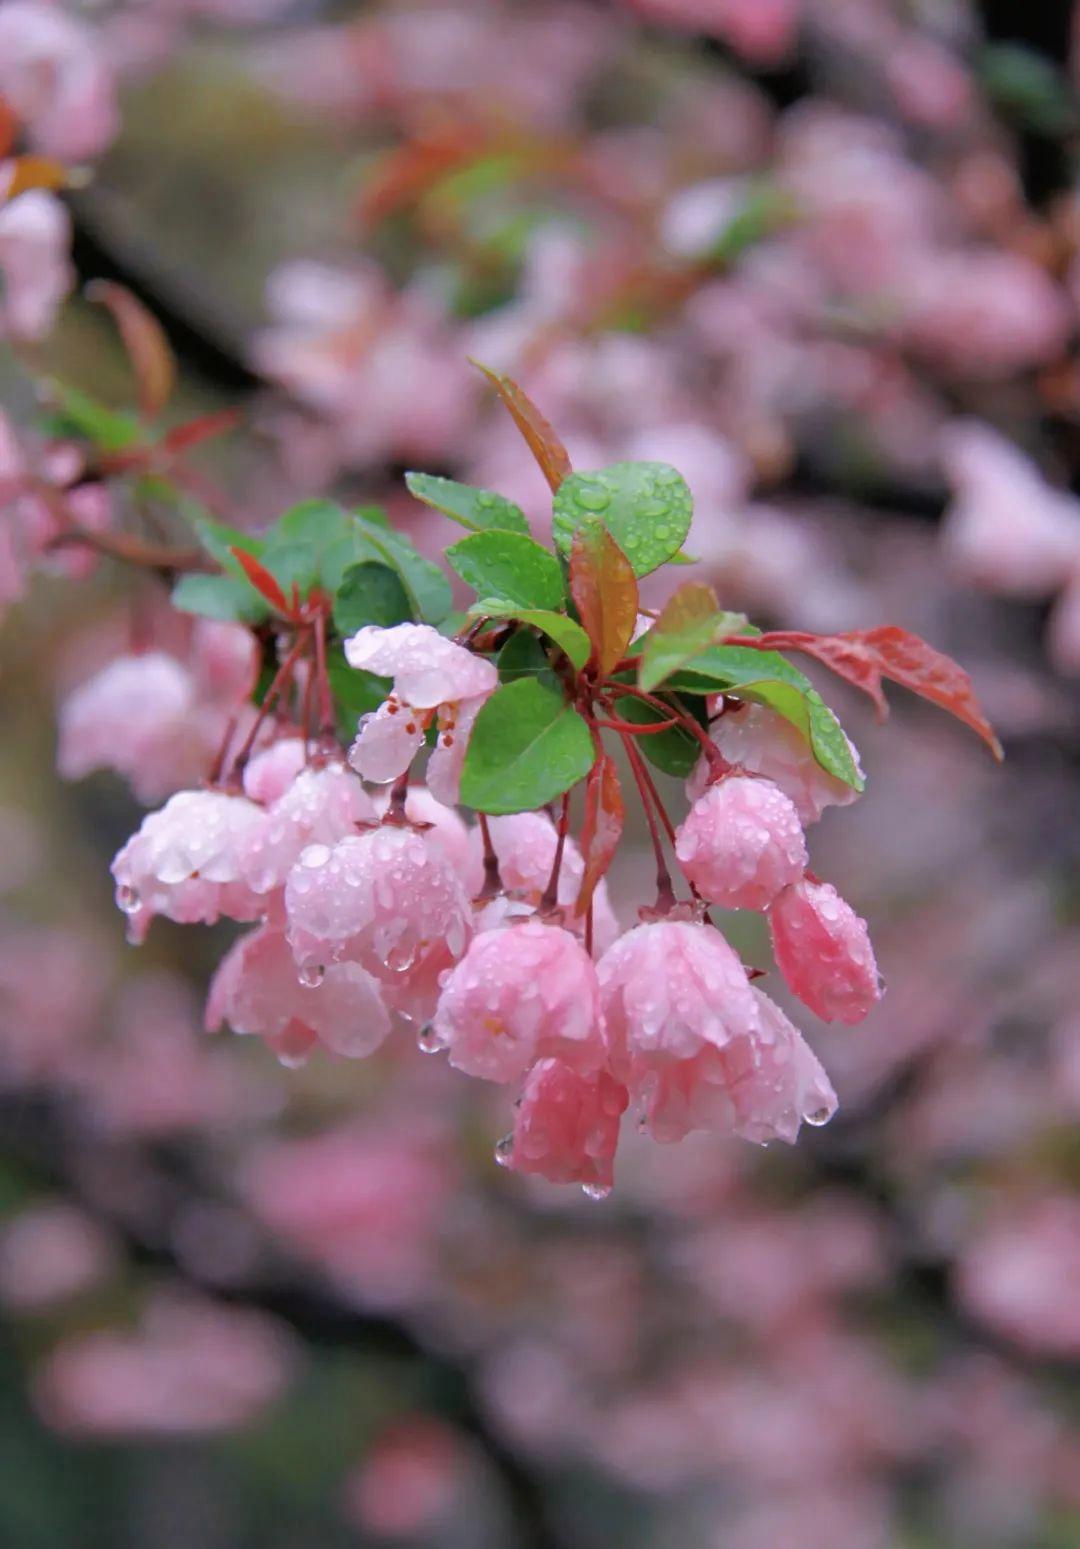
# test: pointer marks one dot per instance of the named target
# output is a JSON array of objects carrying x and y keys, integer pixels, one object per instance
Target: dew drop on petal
[
  {"x": 312, "y": 975},
  {"x": 504, "y": 1151},
  {"x": 597, "y": 1191}
]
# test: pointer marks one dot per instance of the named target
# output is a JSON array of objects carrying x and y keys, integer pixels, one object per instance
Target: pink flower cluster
[{"x": 369, "y": 915}]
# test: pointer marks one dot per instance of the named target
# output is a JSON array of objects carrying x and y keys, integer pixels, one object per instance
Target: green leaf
[
  {"x": 523, "y": 656},
  {"x": 646, "y": 506},
  {"x": 478, "y": 509},
  {"x": 1027, "y": 87},
  {"x": 721, "y": 667},
  {"x": 219, "y": 597},
  {"x": 527, "y": 747},
  {"x": 292, "y": 564},
  {"x": 769, "y": 678},
  {"x": 568, "y": 636},
  {"x": 674, "y": 751},
  {"x": 689, "y": 622},
  {"x": 79, "y": 414},
  {"x": 425, "y": 585},
  {"x": 511, "y": 567},
  {"x": 314, "y": 543},
  {"x": 806, "y": 710},
  {"x": 355, "y": 693},
  {"x": 219, "y": 542},
  {"x": 370, "y": 593}
]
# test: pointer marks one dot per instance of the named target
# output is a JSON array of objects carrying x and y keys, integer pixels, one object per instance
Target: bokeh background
[{"x": 822, "y": 255}]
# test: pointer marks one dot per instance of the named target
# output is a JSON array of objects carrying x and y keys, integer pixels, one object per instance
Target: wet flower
[
  {"x": 823, "y": 950},
  {"x": 757, "y": 739},
  {"x": 741, "y": 843},
  {"x": 518, "y": 995},
  {"x": 429, "y": 673},
  {"x": 567, "y": 1126}
]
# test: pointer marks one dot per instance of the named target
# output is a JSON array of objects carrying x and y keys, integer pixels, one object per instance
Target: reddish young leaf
[
  {"x": 602, "y": 828},
  {"x": 183, "y": 437},
  {"x": 865, "y": 656},
  {"x": 604, "y": 588},
  {"x": 9, "y": 126},
  {"x": 543, "y": 442},
  {"x": 144, "y": 339},
  {"x": 404, "y": 174},
  {"x": 262, "y": 580}
]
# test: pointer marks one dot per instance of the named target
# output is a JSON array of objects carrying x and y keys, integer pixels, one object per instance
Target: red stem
[
  {"x": 665, "y": 893},
  {"x": 278, "y": 683},
  {"x": 551, "y": 892}
]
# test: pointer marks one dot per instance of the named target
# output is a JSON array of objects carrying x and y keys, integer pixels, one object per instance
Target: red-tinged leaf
[
  {"x": 865, "y": 656},
  {"x": 34, "y": 172},
  {"x": 205, "y": 428},
  {"x": 404, "y": 174},
  {"x": 261, "y": 579},
  {"x": 604, "y": 589},
  {"x": 542, "y": 440},
  {"x": 603, "y": 826},
  {"x": 144, "y": 339},
  {"x": 9, "y": 126}
]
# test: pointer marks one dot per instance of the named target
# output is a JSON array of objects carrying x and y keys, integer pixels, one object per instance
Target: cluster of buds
[{"x": 424, "y": 871}]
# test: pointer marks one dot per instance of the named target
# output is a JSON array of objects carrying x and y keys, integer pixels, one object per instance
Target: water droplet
[
  {"x": 818, "y": 1117},
  {"x": 311, "y": 975},
  {"x": 127, "y": 899},
  {"x": 504, "y": 1151},
  {"x": 293, "y": 1061},
  {"x": 428, "y": 1040},
  {"x": 595, "y": 1191}
]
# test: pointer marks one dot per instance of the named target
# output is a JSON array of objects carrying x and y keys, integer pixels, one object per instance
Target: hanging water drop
[
  {"x": 127, "y": 899},
  {"x": 312, "y": 975},
  {"x": 597, "y": 1191},
  {"x": 504, "y": 1151}
]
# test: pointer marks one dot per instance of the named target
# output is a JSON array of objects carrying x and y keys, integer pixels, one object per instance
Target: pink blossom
[
  {"x": 270, "y": 773},
  {"x": 983, "y": 313},
  {"x": 257, "y": 989},
  {"x": 823, "y": 950},
  {"x": 155, "y": 1076},
  {"x": 760, "y": 1086},
  {"x": 518, "y": 995},
  {"x": 741, "y": 843},
  {"x": 54, "y": 74},
  {"x": 364, "y": 1204},
  {"x": 429, "y": 672},
  {"x": 188, "y": 860},
  {"x": 757, "y": 739},
  {"x": 345, "y": 343},
  {"x": 1007, "y": 528},
  {"x": 35, "y": 236},
  {"x": 384, "y": 899},
  {"x": 409, "y": 1479},
  {"x": 1020, "y": 1276},
  {"x": 50, "y": 1253},
  {"x": 567, "y": 1125},
  {"x": 191, "y": 1367},
  {"x": 442, "y": 826},
  {"x": 667, "y": 991},
  {"x": 321, "y": 806}
]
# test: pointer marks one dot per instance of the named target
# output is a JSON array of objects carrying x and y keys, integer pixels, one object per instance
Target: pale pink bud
[
  {"x": 258, "y": 989},
  {"x": 760, "y": 1086},
  {"x": 567, "y": 1126},
  {"x": 823, "y": 950},
  {"x": 54, "y": 74},
  {"x": 35, "y": 237},
  {"x": 520, "y": 994},
  {"x": 187, "y": 860},
  {"x": 757, "y": 739},
  {"x": 741, "y": 843},
  {"x": 268, "y": 775},
  {"x": 384, "y": 899},
  {"x": 668, "y": 990},
  {"x": 321, "y": 806}
]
